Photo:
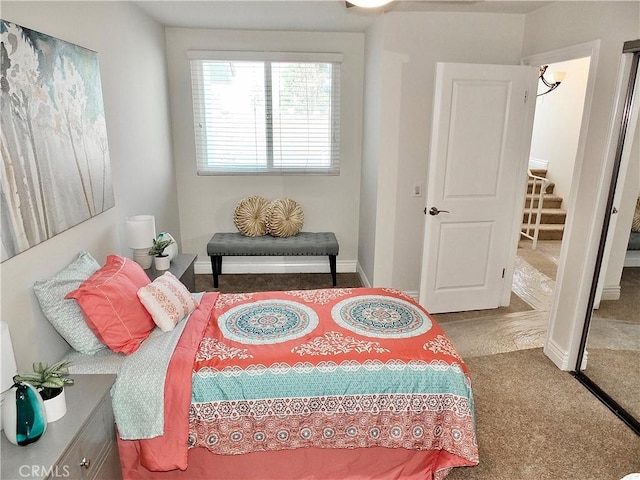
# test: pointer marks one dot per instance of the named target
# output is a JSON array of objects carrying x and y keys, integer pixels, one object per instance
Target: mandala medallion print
[
  {"x": 267, "y": 322},
  {"x": 380, "y": 316}
]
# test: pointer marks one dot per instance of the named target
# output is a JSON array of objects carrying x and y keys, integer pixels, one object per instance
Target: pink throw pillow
[{"x": 109, "y": 301}]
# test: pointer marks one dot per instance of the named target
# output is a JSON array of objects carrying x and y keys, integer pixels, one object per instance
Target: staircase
[{"x": 552, "y": 216}]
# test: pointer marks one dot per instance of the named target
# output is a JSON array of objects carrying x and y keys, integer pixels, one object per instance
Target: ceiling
[{"x": 306, "y": 15}]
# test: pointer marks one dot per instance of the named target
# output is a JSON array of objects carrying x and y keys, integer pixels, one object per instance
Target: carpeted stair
[{"x": 553, "y": 216}]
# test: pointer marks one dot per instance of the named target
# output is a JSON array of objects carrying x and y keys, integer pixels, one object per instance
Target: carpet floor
[
  {"x": 537, "y": 422},
  {"x": 617, "y": 372},
  {"x": 625, "y": 308},
  {"x": 264, "y": 282},
  {"x": 544, "y": 258}
]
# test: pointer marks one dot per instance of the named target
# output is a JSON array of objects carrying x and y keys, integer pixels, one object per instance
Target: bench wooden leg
[
  {"x": 216, "y": 268},
  {"x": 332, "y": 266}
]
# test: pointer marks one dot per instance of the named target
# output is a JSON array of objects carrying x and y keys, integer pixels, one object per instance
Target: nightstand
[
  {"x": 80, "y": 446},
  {"x": 181, "y": 267}
]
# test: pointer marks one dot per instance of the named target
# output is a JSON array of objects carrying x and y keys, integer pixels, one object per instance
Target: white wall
[
  {"x": 130, "y": 49},
  {"x": 389, "y": 166},
  {"x": 370, "y": 152},
  {"x": 556, "y": 26},
  {"x": 557, "y": 122},
  {"x": 412, "y": 44},
  {"x": 330, "y": 203}
]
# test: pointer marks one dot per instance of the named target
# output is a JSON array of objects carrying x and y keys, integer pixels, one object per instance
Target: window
[{"x": 266, "y": 113}]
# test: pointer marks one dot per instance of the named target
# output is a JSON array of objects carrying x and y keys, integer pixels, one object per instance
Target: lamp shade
[
  {"x": 9, "y": 368},
  {"x": 558, "y": 77},
  {"x": 141, "y": 230}
]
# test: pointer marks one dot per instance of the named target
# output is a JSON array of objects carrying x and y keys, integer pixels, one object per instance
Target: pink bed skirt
[{"x": 300, "y": 464}]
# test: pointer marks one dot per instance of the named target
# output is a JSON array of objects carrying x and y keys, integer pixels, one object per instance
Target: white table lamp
[
  {"x": 141, "y": 230},
  {"x": 8, "y": 366}
]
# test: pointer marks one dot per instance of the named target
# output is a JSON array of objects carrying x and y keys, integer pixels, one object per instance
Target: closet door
[{"x": 610, "y": 347}]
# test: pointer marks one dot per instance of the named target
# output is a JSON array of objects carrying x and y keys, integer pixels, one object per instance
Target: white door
[{"x": 480, "y": 143}]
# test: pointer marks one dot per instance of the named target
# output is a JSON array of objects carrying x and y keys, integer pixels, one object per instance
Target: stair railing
[{"x": 532, "y": 228}]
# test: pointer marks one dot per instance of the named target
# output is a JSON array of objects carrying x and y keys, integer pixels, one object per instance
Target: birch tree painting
[{"x": 53, "y": 141}]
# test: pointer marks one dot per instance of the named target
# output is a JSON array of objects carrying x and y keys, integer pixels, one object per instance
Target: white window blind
[{"x": 266, "y": 113}]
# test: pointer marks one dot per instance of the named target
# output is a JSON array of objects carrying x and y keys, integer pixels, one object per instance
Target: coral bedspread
[{"x": 334, "y": 368}]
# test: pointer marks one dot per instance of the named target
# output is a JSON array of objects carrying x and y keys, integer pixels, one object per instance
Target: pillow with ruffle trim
[
  {"x": 250, "y": 216},
  {"x": 284, "y": 218}
]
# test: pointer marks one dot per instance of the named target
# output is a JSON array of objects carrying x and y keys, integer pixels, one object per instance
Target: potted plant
[
  {"x": 49, "y": 381},
  {"x": 162, "y": 261}
]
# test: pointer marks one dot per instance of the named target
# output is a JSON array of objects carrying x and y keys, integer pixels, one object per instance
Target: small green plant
[
  {"x": 48, "y": 380},
  {"x": 159, "y": 244}
]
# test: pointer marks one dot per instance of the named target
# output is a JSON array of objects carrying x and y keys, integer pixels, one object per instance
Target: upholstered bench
[{"x": 304, "y": 243}]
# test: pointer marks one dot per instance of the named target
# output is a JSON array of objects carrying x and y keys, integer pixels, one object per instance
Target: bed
[{"x": 323, "y": 384}]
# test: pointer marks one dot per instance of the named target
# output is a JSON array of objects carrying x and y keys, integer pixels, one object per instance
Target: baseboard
[
  {"x": 367, "y": 284},
  {"x": 585, "y": 357},
  {"x": 276, "y": 265},
  {"x": 632, "y": 258},
  {"x": 363, "y": 278},
  {"x": 611, "y": 292},
  {"x": 557, "y": 355},
  {"x": 412, "y": 294}
]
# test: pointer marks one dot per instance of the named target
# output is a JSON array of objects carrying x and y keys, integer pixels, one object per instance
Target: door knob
[{"x": 435, "y": 211}]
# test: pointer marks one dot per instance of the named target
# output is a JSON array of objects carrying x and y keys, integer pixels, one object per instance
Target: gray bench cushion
[
  {"x": 634, "y": 241},
  {"x": 304, "y": 243}
]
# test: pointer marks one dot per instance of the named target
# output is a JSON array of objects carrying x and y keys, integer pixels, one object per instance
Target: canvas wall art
[{"x": 55, "y": 157}]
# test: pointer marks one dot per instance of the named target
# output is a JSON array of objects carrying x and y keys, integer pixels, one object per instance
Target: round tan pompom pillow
[
  {"x": 250, "y": 216},
  {"x": 284, "y": 218},
  {"x": 635, "y": 226}
]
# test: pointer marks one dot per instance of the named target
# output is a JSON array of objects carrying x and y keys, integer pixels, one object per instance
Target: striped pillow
[{"x": 167, "y": 300}]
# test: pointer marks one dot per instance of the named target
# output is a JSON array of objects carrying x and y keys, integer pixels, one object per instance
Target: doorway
[
  {"x": 476, "y": 157},
  {"x": 519, "y": 325},
  {"x": 554, "y": 149}
]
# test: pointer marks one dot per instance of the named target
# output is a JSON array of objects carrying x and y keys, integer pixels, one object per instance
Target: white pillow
[{"x": 167, "y": 300}]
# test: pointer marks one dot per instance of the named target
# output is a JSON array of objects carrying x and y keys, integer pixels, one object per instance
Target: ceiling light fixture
[
  {"x": 555, "y": 79},
  {"x": 367, "y": 3}
]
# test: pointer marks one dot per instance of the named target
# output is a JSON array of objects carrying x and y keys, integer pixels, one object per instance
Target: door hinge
[
  {"x": 526, "y": 95},
  {"x": 503, "y": 272}
]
